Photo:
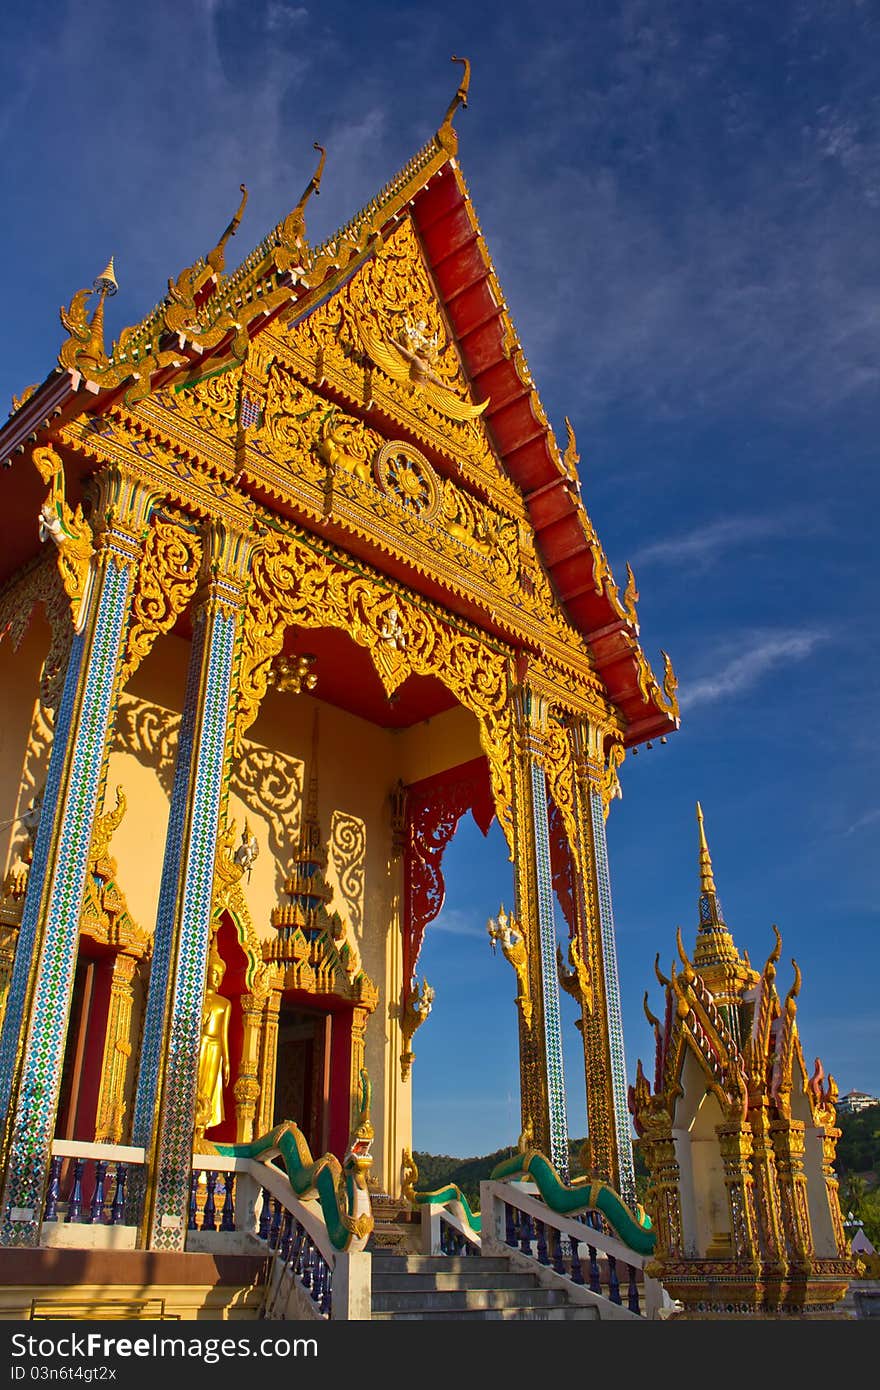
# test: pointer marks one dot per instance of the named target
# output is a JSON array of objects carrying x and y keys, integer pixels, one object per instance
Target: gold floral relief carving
[
  {"x": 40, "y": 584},
  {"x": 383, "y": 335},
  {"x": 166, "y": 582},
  {"x": 348, "y": 855},
  {"x": 211, "y": 403},
  {"x": 560, "y": 769},
  {"x": 292, "y": 423},
  {"x": 295, "y": 585}
]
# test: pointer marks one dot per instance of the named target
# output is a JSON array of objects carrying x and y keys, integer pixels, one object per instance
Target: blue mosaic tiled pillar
[
  {"x": 541, "y": 1066},
  {"x": 34, "y": 1031},
  {"x": 166, "y": 1090},
  {"x": 602, "y": 1027}
]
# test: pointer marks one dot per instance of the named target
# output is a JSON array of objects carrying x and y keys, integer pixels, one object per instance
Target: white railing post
[
  {"x": 491, "y": 1218},
  {"x": 247, "y": 1196},
  {"x": 353, "y": 1286},
  {"x": 431, "y": 1230}
]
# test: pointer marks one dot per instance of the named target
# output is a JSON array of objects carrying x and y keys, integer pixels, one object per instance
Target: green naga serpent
[
  {"x": 340, "y": 1188},
  {"x": 633, "y": 1229}
]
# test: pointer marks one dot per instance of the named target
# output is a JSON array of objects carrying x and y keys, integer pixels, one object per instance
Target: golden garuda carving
[{"x": 410, "y": 359}]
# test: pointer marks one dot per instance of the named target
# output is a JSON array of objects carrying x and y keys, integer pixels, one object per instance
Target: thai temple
[{"x": 294, "y": 575}]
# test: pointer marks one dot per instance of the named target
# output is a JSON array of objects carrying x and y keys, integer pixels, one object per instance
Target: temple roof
[{"x": 209, "y": 315}]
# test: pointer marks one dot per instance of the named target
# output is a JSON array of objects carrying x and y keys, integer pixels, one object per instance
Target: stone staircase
[{"x": 432, "y": 1287}]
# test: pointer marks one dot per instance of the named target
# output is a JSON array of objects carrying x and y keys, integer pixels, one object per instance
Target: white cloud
[
  {"x": 753, "y": 660},
  {"x": 707, "y": 543},
  {"x": 457, "y": 922},
  {"x": 869, "y": 818}
]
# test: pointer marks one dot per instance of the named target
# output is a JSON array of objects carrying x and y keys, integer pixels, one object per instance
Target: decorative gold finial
[
  {"x": 707, "y": 881},
  {"x": 631, "y": 596},
  {"x": 106, "y": 283},
  {"x": 571, "y": 458},
  {"x": 446, "y": 134},
  {"x": 216, "y": 259},
  {"x": 292, "y": 231}
]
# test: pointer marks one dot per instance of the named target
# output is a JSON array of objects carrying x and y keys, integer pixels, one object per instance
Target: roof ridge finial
[
  {"x": 291, "y": 233},
  {"x": 446, "y": 134},
  {"x": 707, "y": 879},
  {"x": 216, "y": 259}
]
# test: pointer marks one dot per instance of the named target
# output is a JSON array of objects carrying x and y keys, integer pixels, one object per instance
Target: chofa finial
[
  {"x": 216, "y": 259},
  {"x": 460, "y": 99}
]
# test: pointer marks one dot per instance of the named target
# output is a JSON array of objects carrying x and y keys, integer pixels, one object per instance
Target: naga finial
[
  {"x": 216, "y": 259},
  {"x": 689, "y": 972},
  {"x": 670, "y": 684},
  {"x": 659, "y": 973},
  {"x": 770, "y": 967},
  {"x": 796, "y": 984},
  {"x": 460, "y": 99},
  {"x": 631, "y": 595},
  {"x": 84, "y": 349},
  {"x": 571, "y": 458},
  {"x": 652, "y": 1018},
  {"x": 291, "y": 233}
]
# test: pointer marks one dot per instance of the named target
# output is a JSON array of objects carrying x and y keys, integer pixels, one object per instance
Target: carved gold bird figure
[{"x": 408, "y": 362}]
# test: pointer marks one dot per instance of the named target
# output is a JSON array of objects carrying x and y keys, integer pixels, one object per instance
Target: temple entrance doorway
[
  {"x": 313, "y": 1073},
  {"x": 84, "y": 1050},
  {"x": 302, "y": 1074}
]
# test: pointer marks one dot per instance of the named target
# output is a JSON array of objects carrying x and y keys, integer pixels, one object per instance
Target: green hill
[{"x": 435, "y": 1170}]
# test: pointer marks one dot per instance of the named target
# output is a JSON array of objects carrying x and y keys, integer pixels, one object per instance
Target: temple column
[
  {"x": 117, "y": 1051},
  {"x": 542, "y": 1080},
  {"x": 735, "y": 1142},
  {"x": 268, "y": 1060},
  {"x": 247, "y": 1086},
  {"x": 658, "y": 1146},
  {"x": 770, "y": 1235},
  {"x": 787, "y": 1137},
  {"x": 166, "y": 1090},
  {"x": 604, "y": 1061},
  {"x": 38, "y": 1003}
]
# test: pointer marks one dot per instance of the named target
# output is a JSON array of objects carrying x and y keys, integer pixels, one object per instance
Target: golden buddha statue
[{"x": 213, "y": 1072}]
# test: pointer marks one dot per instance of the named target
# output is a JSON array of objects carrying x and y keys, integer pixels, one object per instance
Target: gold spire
[
  {"x": 716, "y": 952},
  {"x": 707, "y": 882}
]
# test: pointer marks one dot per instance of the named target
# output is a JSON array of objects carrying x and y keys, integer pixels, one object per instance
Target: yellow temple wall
[
  {"x": 20, "y": 778},
  {"x": 359, "y": 765},
  {"x": 436, "y": 744}
]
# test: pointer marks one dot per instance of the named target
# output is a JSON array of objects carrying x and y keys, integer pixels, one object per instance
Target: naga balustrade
[
  {"x": 444, "y": 1233},
  {"x": 244, "y": 1204},
  {"x": 577, "y": 1250},
  {"x": 92, "y": 1185}
]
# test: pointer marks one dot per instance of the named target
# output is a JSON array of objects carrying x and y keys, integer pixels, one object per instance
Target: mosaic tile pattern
[
  {"x": 612, "y": 997},
  {"x": 160, "y": 968},
  {"x": 14, "y": 1017},
  {"x": 550, "y": 980},
  {"x": 194, "y": 863},
  {"x": 70, "y": 812}
]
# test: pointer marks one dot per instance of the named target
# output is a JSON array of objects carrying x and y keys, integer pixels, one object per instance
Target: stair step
[
  {"x": 563, "y": 1313},
  {"x": 401, "y": 1300},
  {"x": 405, "y": 1283},
  {"x": 430, "y": 1264}
]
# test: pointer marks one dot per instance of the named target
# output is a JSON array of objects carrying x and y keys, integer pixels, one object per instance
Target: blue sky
[{"x": 682, "y": 203}]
